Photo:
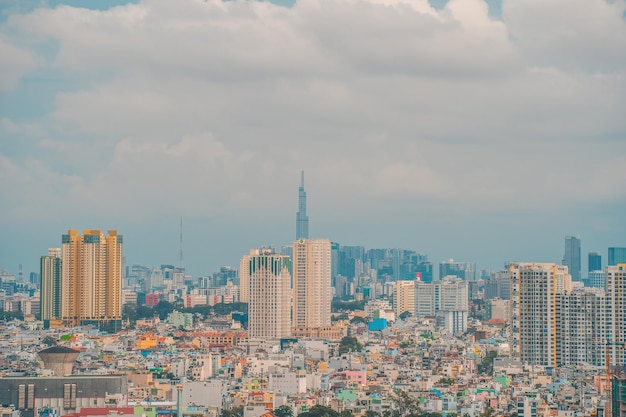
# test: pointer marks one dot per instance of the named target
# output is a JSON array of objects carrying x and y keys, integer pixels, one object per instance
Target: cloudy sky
[{"x": 464, "y": 129}]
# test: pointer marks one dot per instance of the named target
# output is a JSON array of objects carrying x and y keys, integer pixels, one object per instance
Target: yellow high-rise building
[{"x": 92, "y": 279}]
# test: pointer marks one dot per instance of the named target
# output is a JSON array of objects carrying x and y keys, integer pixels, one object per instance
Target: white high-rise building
[
  {"x": 615, "y": 290},
  {"x": 534, "y": 290},
  {"x": 581, "y": 327},
  {"x": 269, "y": 280},
  {"x": 312, "y": 291},
  {"x": 447, "y": 300}
]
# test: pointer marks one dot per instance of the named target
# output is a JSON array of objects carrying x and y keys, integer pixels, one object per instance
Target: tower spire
[{"x": 302, "y": 220}]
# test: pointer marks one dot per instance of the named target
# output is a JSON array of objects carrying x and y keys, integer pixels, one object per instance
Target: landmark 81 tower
[{"x": 302, "y": 220}]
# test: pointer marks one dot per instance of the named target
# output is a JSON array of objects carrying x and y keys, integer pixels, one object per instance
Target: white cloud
[
  {"x": 15, "y": 63},
  {"x": 218, "y": 105}
]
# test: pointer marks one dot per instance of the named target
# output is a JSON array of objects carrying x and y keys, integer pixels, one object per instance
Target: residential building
[
  {"x": 404, "y": 297},
  {"x": 534, "y": 287},
  {"x": 92, "y": 279},
  {"x": 615, "y": 288},
  {"x": 50, "y": 286},
  {"x": 312, "y": 291},
  {"x": 581, "y": 327},
  {"x": 269, "y": 308}
]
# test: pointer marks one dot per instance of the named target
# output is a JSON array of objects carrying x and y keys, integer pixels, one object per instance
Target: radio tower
[{"x": 181, "y": 265}]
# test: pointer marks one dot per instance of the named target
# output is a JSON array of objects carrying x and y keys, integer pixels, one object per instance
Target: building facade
[
  {"x": 463, "y": 270},
  {"x": 617, "y": 256},
  {"x": 534, "y": 289},
  {"x": 302, "y": 220},
  {"x": 616, "y": 312},
  {"x": 50, "y": 293},
  {"x": 312, "y": 292},
  {"x": 572, "y": 257},
  {"x": 92, "y": 279},
  {"x": 269, "y": 308},
  {"x": 404, "y": 297}
]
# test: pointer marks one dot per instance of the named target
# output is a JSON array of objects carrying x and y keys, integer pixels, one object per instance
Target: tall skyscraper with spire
[{"x": 302, "y": 220}]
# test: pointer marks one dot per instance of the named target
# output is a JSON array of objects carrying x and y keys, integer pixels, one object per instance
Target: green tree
[
  {"x": 405, "y": 405},
  {"x": 283, "y": 411},
  {"x": 486, "y": 364},
  {"x": 49, "y": 341},
  {"x": 320, "y": 411},
  {"x": 349, "y": 344},
  {"x": 163, "y": 309}
]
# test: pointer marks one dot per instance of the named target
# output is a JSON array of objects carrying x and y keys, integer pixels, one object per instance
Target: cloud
[
  {"x": 16, "y": 63},
  {"x": 212, "y": 108}
]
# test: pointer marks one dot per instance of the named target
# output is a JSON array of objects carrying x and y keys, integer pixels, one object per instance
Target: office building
[
  {"x": 447, "y": 300},
  {"x": 91, "y": 289},
  {"x": 50, "y": 294},
  {"x": 615, "y": 288},
  {"x": 269, "y": 293},
  {"x": 302, "y": 220},
  {"x": 463, "y": 270},
  {"x": 594, "y": 262},
  {"x": 572, "y": 257},
  {"x": 596, "y": 279},
  {"x": 617, "y": 256},
  {"x": 534, "y": 289},
  {"x": 312, "y": 292}
]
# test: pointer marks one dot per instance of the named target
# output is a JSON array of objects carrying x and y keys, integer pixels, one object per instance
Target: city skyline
[{"x": 459, "y": 134}]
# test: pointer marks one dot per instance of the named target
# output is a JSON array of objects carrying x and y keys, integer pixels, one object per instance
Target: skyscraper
[
  {"x": 617, "y": 256},
  {"x": 534, "y": 290},
  {"x": 463, "y": 270},
  {"x": 50, "y": 287},
  {"x": 269, "y": 294},
  {"x": 92, "y": 279},
  {"x": 594, "y": 262},
  {"x": 616, "y": 311},
  {"x": 572, "y": 257},
  {"x": 311, "y": 283},
  {"x": 302, "y": 220}
]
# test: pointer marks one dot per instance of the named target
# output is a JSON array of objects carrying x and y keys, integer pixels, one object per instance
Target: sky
[{"x": 462, "y": 129}]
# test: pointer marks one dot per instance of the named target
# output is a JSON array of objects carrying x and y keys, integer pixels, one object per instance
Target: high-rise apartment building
[
  {"x": 594, "y": 262},
  {"x": 617, "y": 256},
  {"x": 463, "y": 270},
  {"x": 302, "y": 220},
  {"x": 581, "y": 327},
  {"x": 92, "y": 279},
  {"x": 534, "y": 289},
  {"x": 571, "y": 257},
  {"x": 50, "y": 292},
  {"x": 269, "y": 293},
  {"x": 615, "y": 281},
  {"x": 404, "y": 297},
  {"x": 312, "y": 291}
]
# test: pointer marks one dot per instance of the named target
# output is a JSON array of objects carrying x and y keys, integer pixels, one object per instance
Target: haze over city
[{"x": 483, "y": 132}]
